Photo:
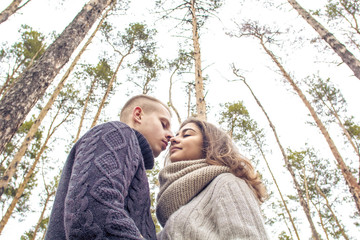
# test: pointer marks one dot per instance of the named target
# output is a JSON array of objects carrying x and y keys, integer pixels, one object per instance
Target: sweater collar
[
  {"x": 182, "y": 181},
  {"x": 146, "y": 150}
]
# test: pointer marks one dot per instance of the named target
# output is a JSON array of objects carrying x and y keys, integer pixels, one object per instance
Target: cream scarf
[{"x": 182, "y": 181}]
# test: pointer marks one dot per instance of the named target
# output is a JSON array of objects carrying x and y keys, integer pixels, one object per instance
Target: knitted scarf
[{"x": 182, "y": 181}]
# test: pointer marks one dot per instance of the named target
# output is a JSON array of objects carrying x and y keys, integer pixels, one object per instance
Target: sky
[{"x": 218, "y": 52}]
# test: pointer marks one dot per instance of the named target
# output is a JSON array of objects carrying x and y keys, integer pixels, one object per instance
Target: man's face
[{"x": 155, "y": 126}]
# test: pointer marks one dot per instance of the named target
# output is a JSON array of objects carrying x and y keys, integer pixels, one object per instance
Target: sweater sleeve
[
  {"x": 237, "y": 211},
  {"x": 105, "y": 163}
]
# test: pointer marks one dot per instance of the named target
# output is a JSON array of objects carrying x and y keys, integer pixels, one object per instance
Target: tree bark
[
  {"x": 170, "y": 96},
  {"x": 189, "y": 100},
  {"x": 10, "y": 10},
  {"x": 321, "y": 220},
  {"x": 30, "y": 135},
  {"x": 300, "y": 193},
  {"x": 346, "y": 133},
  {"x": 332, "y": 212},
  {"x": 349, "y": 178},
  {"x": 111, "y": 82},
  {"x": 5, "y": 87},
  {"x": 10, "y": 79},
  {"x": 199, "y": 85},
  {"x": 288, "y": 165},
  {"x": 277, "y": 187},
  {"x": 336, "y": 45},
  {"x": 23, "y": 185},
  {"x": 33, "y": 83},
  {"x": 47, "y": 200},
  {"x": 85, "y": 108}
]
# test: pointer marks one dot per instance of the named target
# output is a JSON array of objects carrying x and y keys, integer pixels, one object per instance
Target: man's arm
[{"x": 104, "y": 166}]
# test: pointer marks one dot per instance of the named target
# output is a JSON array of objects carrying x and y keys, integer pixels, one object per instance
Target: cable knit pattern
[
  {"x": 104, "y": 192},
  {"x": 226, "y": 209},
  {"x": 180, "y": 182}
]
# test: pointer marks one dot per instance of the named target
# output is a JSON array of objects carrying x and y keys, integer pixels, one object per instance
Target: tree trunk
[
  {"x": 30, "y": 135},
  {"x": 277, "y": 187},
  {"x": 47, "y": 200},
  {"x": 5, "y": 87},
  {"x": 189, "y": 100},
  {"x": 33, "y": 83},
  {"x": 23, "y": 185},
  {"x": 10, "y": 79},
  {"x": 111, "y": 82},
  {"x": 85, "y": 108},
  {"x": 199, "y": 85},
  {"x": 349, "y": 178},
  {"x": 356, "y": 149},
  {"x": 332, "y": 212},
  {"x": 10, "y": 10},
  {"x": 288, "y": 165},
  {"x": 336, "y": 45},
  {"x": 170, "y": 96},
  {"x": 321, "y": 220}
]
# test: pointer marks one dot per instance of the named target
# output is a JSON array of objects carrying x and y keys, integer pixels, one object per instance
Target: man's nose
[{"x": 169, "y": 135}]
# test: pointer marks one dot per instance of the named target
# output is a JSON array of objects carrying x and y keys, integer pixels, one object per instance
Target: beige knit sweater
[{"x": 225, "y": 209}]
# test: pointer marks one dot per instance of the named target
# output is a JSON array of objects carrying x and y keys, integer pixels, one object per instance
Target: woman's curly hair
[{"x": 219, "y": 149}]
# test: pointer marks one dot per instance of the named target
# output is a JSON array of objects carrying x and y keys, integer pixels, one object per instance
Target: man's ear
[{"x": 137, "y": 114}]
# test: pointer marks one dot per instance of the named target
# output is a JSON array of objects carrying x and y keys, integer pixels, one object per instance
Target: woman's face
[{"x": 187, "y": 144}]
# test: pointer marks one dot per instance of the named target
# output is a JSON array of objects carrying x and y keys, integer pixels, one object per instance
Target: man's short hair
[{"x": 147, "y": 103}]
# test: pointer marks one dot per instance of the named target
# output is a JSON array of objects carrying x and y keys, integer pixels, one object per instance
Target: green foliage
[
  {"x": 136, "y": 37},
  {"x": 204, "y": 10},
  {"x": 236, "y": 119},
  {"x": 23, "y": 205},
  {"x": 96, "y": 78},
  {"x": 340, "y": 8},
  {"x": 102, "y": 72},
  {"x": 146, "y": 70},
  {"x": 183, "y": 62},
  {"x": 284, "y": 236},
  {"x": 326, "y": 98},
  {"x": 320, "y": 183},
  {"x": 353, "y": 128},
  {"x": 20, "y": 55},
  {"x": 30, "y": 46},
  {"x": 137, "y": 33}
]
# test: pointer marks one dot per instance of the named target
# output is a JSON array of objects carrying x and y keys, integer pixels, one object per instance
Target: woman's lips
[{"x": 174, "y": 149}]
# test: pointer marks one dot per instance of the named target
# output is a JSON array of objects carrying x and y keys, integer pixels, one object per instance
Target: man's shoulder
[
  {"x": 113, "y": 125},
  {"x": 111, "y": 131}
]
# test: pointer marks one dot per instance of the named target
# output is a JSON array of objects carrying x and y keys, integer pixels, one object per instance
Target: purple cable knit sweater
[{"x": 103, "y": 192}]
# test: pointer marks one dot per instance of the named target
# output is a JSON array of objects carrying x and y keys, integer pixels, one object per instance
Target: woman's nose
[{"x": 174, "y": 140}]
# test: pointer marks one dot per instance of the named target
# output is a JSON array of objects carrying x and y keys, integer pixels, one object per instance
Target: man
[{"x": 103, "y": 192}]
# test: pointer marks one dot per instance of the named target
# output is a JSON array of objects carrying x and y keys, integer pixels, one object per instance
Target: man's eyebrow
[{"x": 166, "y": 121}]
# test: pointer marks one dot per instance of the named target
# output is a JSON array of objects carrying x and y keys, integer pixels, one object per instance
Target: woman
[{"x": 209, "y": 190}]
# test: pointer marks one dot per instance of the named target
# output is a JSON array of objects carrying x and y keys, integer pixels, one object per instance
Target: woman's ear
[{"x": 137, "y": 114}]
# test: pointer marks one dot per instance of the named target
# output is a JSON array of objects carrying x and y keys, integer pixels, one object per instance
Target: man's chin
[{"x": 156, "y": 153}]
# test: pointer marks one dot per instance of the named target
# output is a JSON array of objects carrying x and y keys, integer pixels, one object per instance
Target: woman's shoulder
[
  {"x": 229, "y": 182},
  {"x": 228, "y": 178}
]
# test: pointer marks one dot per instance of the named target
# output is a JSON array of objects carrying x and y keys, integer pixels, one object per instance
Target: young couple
[{"x": 208, "y": 190}]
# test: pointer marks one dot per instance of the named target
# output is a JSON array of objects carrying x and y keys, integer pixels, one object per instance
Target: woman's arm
[{"x": 237, "y": 211}]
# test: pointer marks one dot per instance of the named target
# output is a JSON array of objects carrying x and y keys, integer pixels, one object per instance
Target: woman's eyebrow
[
  {"x": 184, "y": 130},
  {"x": 187, "y": 129}
]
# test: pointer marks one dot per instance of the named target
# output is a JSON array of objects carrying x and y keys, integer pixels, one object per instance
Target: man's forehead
[{"x": 163, "y": 111}]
